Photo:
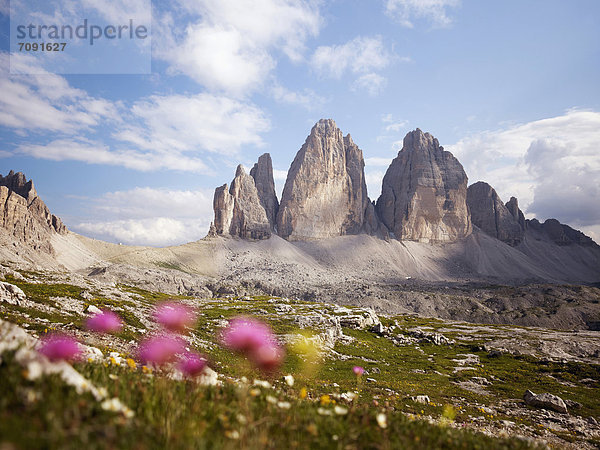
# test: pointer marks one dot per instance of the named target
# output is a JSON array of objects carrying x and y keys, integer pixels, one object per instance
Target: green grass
[
  {"x": 182, "y": 414},
  {"x": 44, "y": 292}
]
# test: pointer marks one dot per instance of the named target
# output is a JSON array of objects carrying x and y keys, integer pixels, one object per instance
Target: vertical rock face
[
  {"x": 513, "y": 207},
  {"x": 424, "y": 193},
  {"x": 240, "y": 210},
  {"x": 249, "y": 219},
  {"x": 223, "y": 207},
  {"x": 492, "y": 216},
  {"x": 262, "y": 172},
  {"x": 325, "y": 194},
  {"x": 24, "y": 215}
]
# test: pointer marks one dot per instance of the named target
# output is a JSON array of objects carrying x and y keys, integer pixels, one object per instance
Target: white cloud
[
  {"x": 157, "y": 232},
  {"x": 118, "y": 11},
  {"x": 372, "y": 83},
  {"x": 201, "y": 122},
  {"x": 150, "y": 216},
  {"x": 228, "y": 45},
  {"x": 435, "y": 11},
  {"x": 308, "y": 99},
  {"x": 46, "y": 102},
  {"x": 97, "y": 153},
  {"x": 374, "y": 179},
  {"x": 552, "y": 165},
  {"x": 392, "y": 124},
  {"x": 378, "y": 162},
  {"x": 154, "y": 133},
  {"x": 361, "y": 55},
  {"x": 279, "y": 175}
]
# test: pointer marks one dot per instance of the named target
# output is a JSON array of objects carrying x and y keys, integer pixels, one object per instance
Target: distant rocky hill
[{"x": 24, "y": 215}]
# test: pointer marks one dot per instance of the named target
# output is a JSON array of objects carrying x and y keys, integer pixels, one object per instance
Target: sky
[{"x": 126, "y": 139}]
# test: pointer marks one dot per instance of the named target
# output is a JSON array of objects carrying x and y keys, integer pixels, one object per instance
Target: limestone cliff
[
  {"x": 492, "y": 216},
  {"x": 325, "y": 193},
  {"x": 424, "y": 193},
  {"x": 24, "y": 215}
]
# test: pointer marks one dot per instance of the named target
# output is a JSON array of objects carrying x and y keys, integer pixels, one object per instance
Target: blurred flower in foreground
[
  {"x": 358, "y": 371},
  {"x": 175, "y": 316},
  {"x": 256, "y": 341},
  {"x": 191, "y": 364},
  {"x": 160, "y": 349},
  {"x": 56, "y": 347},
  {"x": 382, "y": 420},
  {"x": 105, "y": 322}
]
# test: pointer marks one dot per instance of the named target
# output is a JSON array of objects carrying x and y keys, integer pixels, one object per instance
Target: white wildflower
[
  {"x": 340, "y": 410},
  {"x": 289, "y": 379}
]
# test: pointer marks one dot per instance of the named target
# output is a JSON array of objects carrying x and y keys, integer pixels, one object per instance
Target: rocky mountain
[
  {"x": 24, "y": 215},
  {"x": 424, "y": 193},
  {"x": 492, "y": 216},
  {"x": 325, "y": 194},
  {"x": 559, "y": 233},
  {"x": 239, "y": 210},
  {"x": 262, "y": 172}
]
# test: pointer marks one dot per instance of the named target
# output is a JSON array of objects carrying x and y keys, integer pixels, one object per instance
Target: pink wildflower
[
  {"x": 246, "y": 335},
  {"x": 57, "y": 347},
  {"x": 175, "y": 316},
  {"x": 160, "y": 349},
  {"x": 105, "y": 322},
  {"x": 192, "y": 364},
  {"x": 358, "y": 371},
  {"x": 268, "y": 357},
  {"x": 256, "y": 341}
]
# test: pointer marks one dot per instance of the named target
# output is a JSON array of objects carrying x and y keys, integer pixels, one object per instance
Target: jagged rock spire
[{"x": 325, "y": 193}]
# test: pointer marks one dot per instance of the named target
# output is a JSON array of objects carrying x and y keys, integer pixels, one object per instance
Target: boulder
[
  {"x": 11, "y": 294},
  {"x": 325, "y": 193},
  {"x": 491, "y": 215},
  {"x": 545, "y": 401},
  {"x": 424, "y": 193}
]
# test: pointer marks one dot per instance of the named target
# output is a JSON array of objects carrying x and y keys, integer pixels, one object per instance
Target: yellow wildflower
[{"x": 303, "y": 393}]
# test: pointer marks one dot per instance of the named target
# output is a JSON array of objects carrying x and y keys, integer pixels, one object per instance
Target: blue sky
[{"x": 510, "y": 87}]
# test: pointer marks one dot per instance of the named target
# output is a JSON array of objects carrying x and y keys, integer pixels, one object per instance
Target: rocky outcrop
[
  {"x": 325, "y": 193},
  {"x": 513, "y": 207},
  {"x": 262, "y": 172},
  {"x": 249, "y": 217},
  {"x": 492, "y": 216},
  {"x": 424, "y": 193},
  {"x": 24, "y": 215},
  {"x": 223, "y": 206},
  {"x": 560, "y": 233},
  {"x": 10, "y": 293},
  {"x": 239, "y": 210}
]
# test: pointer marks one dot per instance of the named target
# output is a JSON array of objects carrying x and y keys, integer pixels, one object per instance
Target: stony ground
[{"x": 447, "y": 375}]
